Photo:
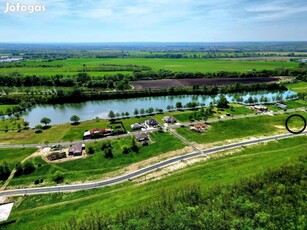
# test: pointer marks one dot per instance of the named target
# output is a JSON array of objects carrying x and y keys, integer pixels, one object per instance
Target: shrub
[{"x": 58, "y": 177}]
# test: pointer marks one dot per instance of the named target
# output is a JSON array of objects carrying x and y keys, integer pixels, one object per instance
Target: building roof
[
  {"x": 152, "y": 121},
  {"x": 97, "y": 131},
  {"x": 142, "y": 136},
  {"x": 169, "y": 119},
  {"x": 76, "y": 148}
]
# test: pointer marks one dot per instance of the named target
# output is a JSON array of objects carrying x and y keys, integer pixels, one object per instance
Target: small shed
[{"x": 75, "y": 150}]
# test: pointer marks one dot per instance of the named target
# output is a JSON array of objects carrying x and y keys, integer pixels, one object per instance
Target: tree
[
  {"x": 91, "y": 150},
  {"x": 5, "y": 171},
  {"x": 108, "y": 153},
  {"x": 46, "y": 121},
  {"x": 28, "y": 167},
  {"x": 168, "y": 107},
  {"x": 134, "y": 147},
  {"x": 74, "y": 119},
  {"x": 38, "y": 128},
  {"x": 222, "y": 102},
  {"x": 142, "y": 111},
  {"x": 178, "y": 105},
  {"x": 58, "y": 177},
  {"x": 127, "y": 114},
  {"x": 111, "y": 114},
  {"x": 125, "y": 149},
  {"x": 19, "y": 169},
  {"x": 136, "y": 112}
]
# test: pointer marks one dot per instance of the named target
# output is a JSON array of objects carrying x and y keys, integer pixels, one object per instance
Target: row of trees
[
  {"x": 24, "y": 169},
  {"x": 120, "y": 81},
  {"x": 83, "y": 94}
]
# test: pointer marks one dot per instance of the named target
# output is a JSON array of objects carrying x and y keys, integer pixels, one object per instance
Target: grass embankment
[
  {"x": 33, "y": 211},
  {"x": 96, "y": 165},
  {"x": 13, "y": 156},
  {"x": 240, "y": 128},
  {"x": 74, "y": 66}
]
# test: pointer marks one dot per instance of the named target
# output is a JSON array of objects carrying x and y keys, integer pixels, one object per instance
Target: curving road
[{"x": 126, "y": 177}]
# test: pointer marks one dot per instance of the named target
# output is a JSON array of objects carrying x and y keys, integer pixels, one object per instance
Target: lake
[{"x": 60, "y": 114}]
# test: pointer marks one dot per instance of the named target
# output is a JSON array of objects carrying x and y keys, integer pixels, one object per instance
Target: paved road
[{"x": 123, "y": 178}]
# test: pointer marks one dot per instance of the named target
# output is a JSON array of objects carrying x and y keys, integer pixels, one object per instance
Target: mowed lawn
[
  {"x": 240, "y": 128},
  {"x": 73, "y": 66},
  {"x": 95, "y": 165},
  {"x": 32, "y": 212}
]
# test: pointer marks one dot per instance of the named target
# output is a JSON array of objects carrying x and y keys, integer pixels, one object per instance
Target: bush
[
  {"x": 125, "y": 149},
  {"x": 108, "y": 153},
  {"x": 91, "y": 150},
  {"x": 58, "y": 177},
  {"x": 28, "y": 168}
]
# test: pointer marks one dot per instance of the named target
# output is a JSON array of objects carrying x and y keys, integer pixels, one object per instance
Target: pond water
[{"x": 60, "y": 114}]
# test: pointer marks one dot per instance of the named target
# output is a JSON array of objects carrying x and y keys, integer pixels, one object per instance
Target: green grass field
[
  {"x": 31, "y": 212},
  {"x": 13, "y": 156},
  {"x": 238, "y": 128},
  {"x": 298, "y": 87},
  {"x": 73, "y": 66},
  {"x": 95, "y": 165}
]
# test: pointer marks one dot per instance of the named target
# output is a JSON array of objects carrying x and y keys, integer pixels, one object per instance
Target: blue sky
[{"x": 156, "y": 20}]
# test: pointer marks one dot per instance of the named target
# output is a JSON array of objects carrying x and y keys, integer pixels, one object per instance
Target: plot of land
[{"x": 166, "y": 83}]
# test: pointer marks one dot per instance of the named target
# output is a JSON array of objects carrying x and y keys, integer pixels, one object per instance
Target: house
[
  {"x": 259, "y": 108},
  {"x": 281, "y": 106},
  {"x": 96, "y": 133},
  {"x": 75, "y": 150},
  {"x": 151, "y": 122},
  {"x": 199, "y": 127},
  {"x": 141, "y": 137},
  {"x": 136, "y": 126},
  {"x": 170, "y": 120}
]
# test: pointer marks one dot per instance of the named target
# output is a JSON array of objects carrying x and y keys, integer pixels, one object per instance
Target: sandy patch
[{"x": 163, "y": 172}]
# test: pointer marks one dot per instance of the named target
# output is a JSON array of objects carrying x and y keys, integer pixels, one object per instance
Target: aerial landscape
[{"x": 153, "y": 114}]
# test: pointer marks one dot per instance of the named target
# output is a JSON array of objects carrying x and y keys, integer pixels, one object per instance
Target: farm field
[
  {"x": 166, "y": 83},
  {"x": 298, "y": 87},
  {"x": 74, "y": 66},
  {"x": 226, "y": 170},
  {"x": 95, "y": 166}
]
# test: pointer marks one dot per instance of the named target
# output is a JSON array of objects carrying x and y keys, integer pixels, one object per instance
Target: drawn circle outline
[{"x": 296, "y": 115}]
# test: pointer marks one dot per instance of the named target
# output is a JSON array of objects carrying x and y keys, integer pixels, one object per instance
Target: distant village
[{"x": 9, "y": 59}]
